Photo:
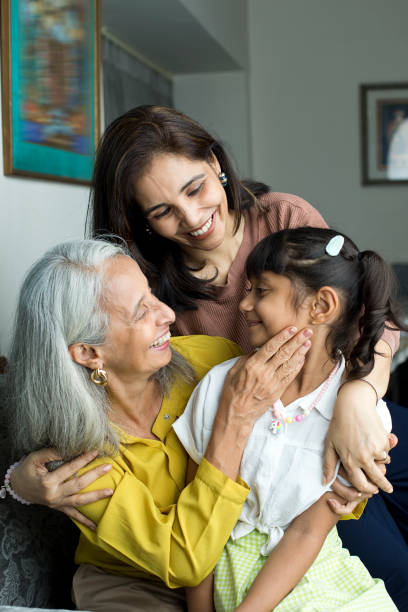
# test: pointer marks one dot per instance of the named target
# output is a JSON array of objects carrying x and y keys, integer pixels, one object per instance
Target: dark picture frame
[
  {"x": 384, "y": 133},
  {"x": 50, "y": 88}
]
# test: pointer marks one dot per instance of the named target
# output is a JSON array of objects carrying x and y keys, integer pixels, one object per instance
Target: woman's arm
[
  {"x": 276, "y": 364},
  {"x": 178, "y": 542},
  {"x": 356, "y": 433},
  {"x": 293, "y": 555},
  {"x": 181, "y": 542}
]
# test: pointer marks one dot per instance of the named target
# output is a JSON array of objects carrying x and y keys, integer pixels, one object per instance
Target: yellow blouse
[{"x": 154, "y": 526}]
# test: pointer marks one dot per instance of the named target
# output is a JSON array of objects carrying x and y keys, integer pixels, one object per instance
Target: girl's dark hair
[
  {"x": 365, "y": 284},
  {"x": 124, "y": 154}
]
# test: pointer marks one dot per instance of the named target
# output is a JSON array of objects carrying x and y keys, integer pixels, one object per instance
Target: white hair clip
[{"x": 334, "y": 246}]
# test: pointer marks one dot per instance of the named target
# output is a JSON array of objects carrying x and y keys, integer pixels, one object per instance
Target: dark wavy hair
[
  {"x": 365, "y": 283},
  {"x": 123, "y": 155}
]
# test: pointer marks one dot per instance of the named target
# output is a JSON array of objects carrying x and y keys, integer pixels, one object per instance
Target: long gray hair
[{"x": 51, "y": 399}]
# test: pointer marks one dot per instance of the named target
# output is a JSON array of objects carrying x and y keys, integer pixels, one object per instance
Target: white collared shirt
[{"x": 284, "y": 470}]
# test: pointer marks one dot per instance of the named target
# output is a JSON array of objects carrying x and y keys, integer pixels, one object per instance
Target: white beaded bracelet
[{"x": 6, "y": 487}]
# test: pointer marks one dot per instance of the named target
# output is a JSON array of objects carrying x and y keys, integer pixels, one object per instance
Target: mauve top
[{"x": 220, "y": 316}]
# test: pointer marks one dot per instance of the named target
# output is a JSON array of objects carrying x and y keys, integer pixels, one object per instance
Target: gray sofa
[{"x": 36, "y": 549}]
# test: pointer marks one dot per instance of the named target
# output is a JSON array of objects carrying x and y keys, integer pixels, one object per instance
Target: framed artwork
[
  {"x": 384, "y": 133},
  {"x": 50, "y": 88}
]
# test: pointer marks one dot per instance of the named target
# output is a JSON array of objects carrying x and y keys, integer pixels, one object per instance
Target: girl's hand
[
  {"x": 356, "y": 435},
  {"x": 61, "y": 488},
  {"x": 341, "y": 507}
]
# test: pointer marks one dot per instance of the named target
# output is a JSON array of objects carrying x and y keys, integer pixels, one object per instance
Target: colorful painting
[{"x": 50, "y": 87}]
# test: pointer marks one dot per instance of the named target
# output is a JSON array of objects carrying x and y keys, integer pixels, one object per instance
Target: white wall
[
  {"x": 306, "y": 62},
  {"x": 226, "y": 21},
  {"x": 219, "y": 101},
  {"x": 34, "y": 215}
]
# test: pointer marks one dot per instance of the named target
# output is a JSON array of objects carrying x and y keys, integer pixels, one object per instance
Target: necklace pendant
[{"x": 275, "y": 426}]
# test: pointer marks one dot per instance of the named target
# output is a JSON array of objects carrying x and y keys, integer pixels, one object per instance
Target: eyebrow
[{"x": 183, "y": 188}]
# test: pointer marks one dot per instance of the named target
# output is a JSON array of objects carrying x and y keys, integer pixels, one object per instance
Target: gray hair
[{"x": 51, "y": 399}]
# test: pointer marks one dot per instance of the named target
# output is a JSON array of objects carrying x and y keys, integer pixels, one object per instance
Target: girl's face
[
  {"x": 270, "y": 307},
  {"x": 184, "y": 201}
]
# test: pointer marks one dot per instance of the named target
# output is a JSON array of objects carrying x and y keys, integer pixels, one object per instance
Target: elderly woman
[{"x": 93, "y": 366}]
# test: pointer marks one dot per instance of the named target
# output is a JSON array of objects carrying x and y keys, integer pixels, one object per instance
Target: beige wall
[
  {"x": 34, "y": 215},
  {"x": 307, "y": 59},
  {"x": 219, "y": 101}
]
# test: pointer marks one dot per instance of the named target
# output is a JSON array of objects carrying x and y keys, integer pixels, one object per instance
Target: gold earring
[{"x": 99, "y": 377}]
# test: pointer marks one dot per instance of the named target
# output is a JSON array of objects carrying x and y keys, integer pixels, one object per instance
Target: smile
[
  {"x": 161, "y": 341},
  {"x": 252, "y": 323},
  {"x": 204, "y": 230}
]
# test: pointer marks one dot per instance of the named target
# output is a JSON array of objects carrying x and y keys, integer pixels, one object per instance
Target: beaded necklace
[{"x": 280, "y": 418}]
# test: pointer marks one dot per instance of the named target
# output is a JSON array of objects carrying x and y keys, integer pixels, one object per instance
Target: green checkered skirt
[{"x": 335, "y": 581}]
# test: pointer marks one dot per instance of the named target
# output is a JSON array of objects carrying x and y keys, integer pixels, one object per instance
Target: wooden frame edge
[
  {"x": 6, "y": 86},
  {"x": 7, "y": 136},
  {"x": 363, "y": 89}
]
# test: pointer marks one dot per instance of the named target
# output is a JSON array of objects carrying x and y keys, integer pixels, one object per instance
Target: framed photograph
[
  {"x": 50, "y": 88},
  {"x": 384, "y": 133}
]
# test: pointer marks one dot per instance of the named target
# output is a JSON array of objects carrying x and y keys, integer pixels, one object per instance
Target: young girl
[{"x": 285, "y": 543}]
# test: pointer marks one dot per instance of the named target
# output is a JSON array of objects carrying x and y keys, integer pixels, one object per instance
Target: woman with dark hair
[{"x": 167, "y": 187}]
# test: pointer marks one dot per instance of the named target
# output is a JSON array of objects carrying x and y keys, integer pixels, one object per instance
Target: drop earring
[
  {"x": 99, "y": 377},
  {"x": 223, "y": 179},
  {"x": 148, "y": 229}
]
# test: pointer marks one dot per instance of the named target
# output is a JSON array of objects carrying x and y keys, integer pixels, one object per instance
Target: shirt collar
[{"x": 326, "y": 404}]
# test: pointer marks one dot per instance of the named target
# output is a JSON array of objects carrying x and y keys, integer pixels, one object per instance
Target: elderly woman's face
[
  {"x": 137, "y": 343},
  {"x": 184, "y": 201}
]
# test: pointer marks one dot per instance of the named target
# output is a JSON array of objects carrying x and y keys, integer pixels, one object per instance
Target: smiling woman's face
[
  {"x": 137, "y": 342},
  {"x": 184, "y": 201}
]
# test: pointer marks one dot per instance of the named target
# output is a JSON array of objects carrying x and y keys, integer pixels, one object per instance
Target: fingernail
[
  {"x": 107, "y": 467},
  {"x": 307, "y": 344},
  {"x": 292, "y": 330},
  {"x": 307, "y": 333}
]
